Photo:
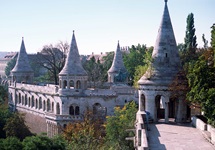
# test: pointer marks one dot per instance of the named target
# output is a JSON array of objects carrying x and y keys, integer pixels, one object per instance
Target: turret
[
  {"x": 22, "y": 72},
  {"x": 72, "y": 76},
  {"x": 117, "y": 72}
]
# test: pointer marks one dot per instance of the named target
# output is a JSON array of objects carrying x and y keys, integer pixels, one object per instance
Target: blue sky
[{"x": 98, "y": 24}]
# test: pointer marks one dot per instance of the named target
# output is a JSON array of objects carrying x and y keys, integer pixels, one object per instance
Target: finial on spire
[
  {"x": 118, "y": 41},
  {"x": 73, "y": 31},
  {"x": 165, "y": 1},
  {"x": 22, "y": 38}
]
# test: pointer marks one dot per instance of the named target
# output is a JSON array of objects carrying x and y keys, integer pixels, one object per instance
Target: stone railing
[
  {"x": 199, "y": 124},
  {"x": 63, "y": 117}
]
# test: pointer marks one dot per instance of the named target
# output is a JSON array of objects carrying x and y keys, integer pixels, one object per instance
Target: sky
[{"x": 98, "y": 24}]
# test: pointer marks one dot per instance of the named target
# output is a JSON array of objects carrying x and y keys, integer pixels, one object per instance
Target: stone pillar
[
  {"x": 140, "y": 101},
  {"x": 166, "y": 112}
]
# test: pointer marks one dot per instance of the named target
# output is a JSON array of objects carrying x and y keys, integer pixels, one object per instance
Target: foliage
[
  {"x": 15, "y": 126},
  {"x": 116, "y": 127},
  {"x": 213, "y": 39},
  {"x": 85, "y": 134},
  {"x": 202, "y": 84},
  {"x": 4, "y": 115},
  {"x": 53, "y": 59},
  {"x": 205, "y": 42},
  {"x": 3, "y": 94},
  {"x": 43, "y": 142},
  {"x": 139, "y": 55},
  {"x": 190, "y": 44},
  {"x": 10, "y": 143},
  {"x": 10, "y": 65}
]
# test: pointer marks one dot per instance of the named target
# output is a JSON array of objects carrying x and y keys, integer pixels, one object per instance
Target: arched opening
[
  {"x": 172, "y": 108},
  {"x": 44, "y": 105},
  {"x": 32, "y": 101},
  {"x": 29, "y": 102},
  {"x": 77, "y": 110},
  {"x": 71, "y": 84},
  {"x": 159, "y": 107},
  {"x": 52, "y": 109},
  {"x": 78, "y": 84},
  {"x": 64, "y": 84},
  {"x": 143, "y": 103},
  {"x": 16, "y": 99},
  {"x": 97, "y": 108},
  {"x": 40, "y": 103},
  {"x": 58, "y": 108},
  {"x": 26, "y": 99},
  {"x": 20, "y": 100},
  {"x": 71, "y": 110},
  {"x": 48, "y": 105},
  {"x": 36, "y": 103},
  {"x": 23, "y": 100},
  {"x": 60, "y": 84}
]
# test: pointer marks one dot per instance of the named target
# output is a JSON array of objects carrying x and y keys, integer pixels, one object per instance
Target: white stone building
[{"x": 50, "y": 107}]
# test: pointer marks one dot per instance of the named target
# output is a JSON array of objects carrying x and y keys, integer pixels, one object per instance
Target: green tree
[
  {"x": 10, "y": 66},
  {"x": 204, "y": 41},
  {"x": 41, "y": 142},
  {"x": 190, "y": 44},
  {"x": 116, "y": 127},
  {"x": 202, "y": 84},
  {"x": 10, "y": 143},
  {"x": 213, "y": 40},
  {"x": 15, "y": 126},
  {"x": 135, "y": 58}
]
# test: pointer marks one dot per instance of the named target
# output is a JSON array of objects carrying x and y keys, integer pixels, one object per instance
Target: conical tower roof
[
  {"x": 117, "y": 64},
  {"x": 166, "y": 61},
  {"x": 22, "y": 63},
  {"x": 73, "y": 64}
]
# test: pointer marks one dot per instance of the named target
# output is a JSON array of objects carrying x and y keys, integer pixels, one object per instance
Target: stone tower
[
  {"x": 22, "y": 72},
  {"x": 154, "y": 93},
  {"x": 73, "y": 77},
  {"x": 117, "y": 72}
]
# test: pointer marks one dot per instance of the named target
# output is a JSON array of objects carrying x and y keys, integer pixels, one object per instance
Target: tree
[
  {"x": 205, "y": 42},
  {"x": 86, "y": 134},
  {"x": 135, "y": 58},
  {"x": 116, "y": 127},
  {"x": 213, "y": 39},
  {"x": 190, "y": 44},
  {"x": 10, "y": 65},
  {"x": 10, "y": 143},
  {"x": 202, "y": 84},
  {"x": 15, "y": 126},
  {"x": 4, "y": 115},
  {"x": 53, "y": 58}
]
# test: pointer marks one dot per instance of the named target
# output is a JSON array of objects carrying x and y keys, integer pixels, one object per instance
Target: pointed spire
[
  {"x": 166, "y": 62},
  {"x": 117, "y": 64},
  {"x": 22, "y": 63},
  {"x": 73, "y": 64}
]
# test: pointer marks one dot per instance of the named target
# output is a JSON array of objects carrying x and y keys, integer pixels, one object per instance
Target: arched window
[
  {"x": 64, "y": 84},
  {"x": 71, "y": 110},
  {"x": 60, "y": 83},
  {"x": 36, "y": 103},
  {"x": 29, "y": 102},
  {"x": 20, "y": 100},
  {"x": 97, "y": 108},
  {"x": 52, "y": 109},
  {"x": 16, "y": 99},
  {"x": 23, "y": 100},
  {"x": 48, "y": 105},
  {"x": 32, "y": 101},
  {"x": 143, "y": 101},
  {"x": 44, "y": 105},
  {"x": 11, "y": 96},
  {"x": 77, "y": 110},
  {"x": 26, "y": 99},
  {"x": 40, "y": 103},
  {"x": 78, "y": 84},
  {"x": 71, "y": 84},
  {"x": 58, "y": 108}
]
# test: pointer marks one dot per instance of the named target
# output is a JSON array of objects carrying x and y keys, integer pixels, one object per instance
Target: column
[
  {"x": 166, "y": 112},
  {"x": 140, "y": 101}
]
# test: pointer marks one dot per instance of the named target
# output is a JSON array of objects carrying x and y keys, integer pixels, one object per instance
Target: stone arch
[
  {"x": 48, "y": 105},
  {"x": 44, "y": 105},
  {"x": 20, "y": 100},
  {"x": 64, "y": 84},
  {"x": 77, "y": 110},
  {"x": 58, "y": 108},
  {"x": 97, "y": 107},
  {"x": 52, "y": 108},
  {"x": 32, "y": 101},
  {"x": 71, "y": 110},
  {"x": 36, "y": 103},
  {"x": 71, "y": 84},
  {"x": 29, "y": 102},
  {"x": 78, "y": 84},
  {"x": 40, "y": 103}
]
